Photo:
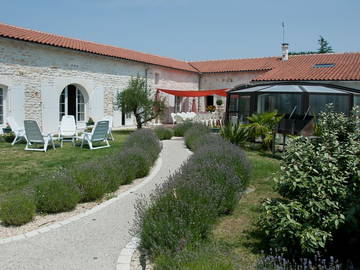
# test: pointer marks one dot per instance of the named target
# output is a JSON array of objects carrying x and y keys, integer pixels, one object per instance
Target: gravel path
[{"x": 94, "y": 241}]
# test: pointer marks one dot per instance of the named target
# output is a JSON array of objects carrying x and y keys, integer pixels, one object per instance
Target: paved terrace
[{"x": 95, "y": 240}]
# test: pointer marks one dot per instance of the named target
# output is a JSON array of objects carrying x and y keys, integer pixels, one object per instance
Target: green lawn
[
  {"x": 237, "y": 230},
  {"x": 20, "y": 168}
]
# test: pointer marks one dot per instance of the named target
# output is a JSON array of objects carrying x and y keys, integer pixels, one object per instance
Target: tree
[
  {"x": 137, "y": 99},
  {"x": 324, "y": 46}
]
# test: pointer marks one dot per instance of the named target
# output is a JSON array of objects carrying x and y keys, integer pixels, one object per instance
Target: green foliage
[
  {"x": 89, "y": 179},
  {"x": 137, "y": 99},
  {"x": 319, "y": 182},
  {"x": 261, "y": 125},
  {"x": 235, "y": 133},
  {"x": 324, "y": 46},
  {"x": 302, "y": 52},
  {"x": 203, "y": 257},
  {"x": 194, "y": 135},
  {"x": 164, "y": 133},
  {"x": 180, "y": 129},
  {"x": 8, "y": 137},
  {"x": 182, "y": 211},
  {"x": 219, "y": 102},
  {"x": 56, "y": 195},
  {"x": 17, "y": 209}
]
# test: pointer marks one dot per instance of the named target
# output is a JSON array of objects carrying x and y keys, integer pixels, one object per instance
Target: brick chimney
[{"x": 285, "y": 51}]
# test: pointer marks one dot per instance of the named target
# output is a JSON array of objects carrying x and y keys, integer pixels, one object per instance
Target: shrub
[
  {"x": 319, "y": 182},
  {"x": 182, "y": 210},
  {"x": 181, "y": 128},
  {"x": 236, "y": 134},
  {"x": 164, "y": 133},
  {"x": 201, "y": 257},
  {"x": 89, "y": 178},
  {"x": 195, "y": 134},
  {"x": 56, "y": 195},
  {"x": 145, "y": 139},
  {"x": 138, "y": 161},
  {"x": 17, "y": 209},
  {"x": 316, "y": 262}
]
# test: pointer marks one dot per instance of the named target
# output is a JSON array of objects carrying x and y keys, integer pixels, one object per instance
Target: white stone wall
[
  {"x": 42, "y": 72},
  {"x": 224, "y": 80}
]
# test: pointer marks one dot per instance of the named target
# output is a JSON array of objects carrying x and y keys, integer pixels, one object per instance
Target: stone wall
[
  {"x": 224, "y": 80},
  {"x": 43, "y": 71}
]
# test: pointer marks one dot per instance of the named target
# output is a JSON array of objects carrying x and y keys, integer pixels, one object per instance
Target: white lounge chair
[
  {"x": 110, "y": 119},
  {"x": 67, "y": 129},
  {"x": 98, "y": 134},
  {"x": 18, "y": 131},
  {"x": 34, "y": 137}
]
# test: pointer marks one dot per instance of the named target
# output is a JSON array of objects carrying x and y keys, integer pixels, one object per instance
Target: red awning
[{"x": 195, "y": 93}]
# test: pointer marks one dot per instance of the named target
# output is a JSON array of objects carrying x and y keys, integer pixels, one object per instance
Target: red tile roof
[
  {"x": 251, "y": 64},
  {"x": 9, "y": 31},
  {"x": 301, "y": 68},
  {"x": 298, "y": 67}
]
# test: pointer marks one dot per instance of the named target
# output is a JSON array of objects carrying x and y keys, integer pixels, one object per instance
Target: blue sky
[{"x": 195, "y": 29}]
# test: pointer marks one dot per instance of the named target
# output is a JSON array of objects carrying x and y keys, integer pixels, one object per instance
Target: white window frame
[{"x": 77, "y": 113}]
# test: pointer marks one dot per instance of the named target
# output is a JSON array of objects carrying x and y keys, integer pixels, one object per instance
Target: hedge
[
  {"x": 88, "y": 181},
  {"x": 182, "y": 211}
]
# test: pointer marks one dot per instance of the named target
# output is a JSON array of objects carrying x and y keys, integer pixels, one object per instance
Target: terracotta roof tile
[
  {"x": 298, "y": 67},
  {"x": 251, "y": 64},
  {"x": 19, "y": 33},
  {"x": 301, "y": 67}
]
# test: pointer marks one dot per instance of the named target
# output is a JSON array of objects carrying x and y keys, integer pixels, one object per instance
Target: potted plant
[
  {"x": 90, "y": 122},
  {"x": 210, "y": 108},
  {"x": 7, "y": 129},
  {"x": 219, "y": 102}
]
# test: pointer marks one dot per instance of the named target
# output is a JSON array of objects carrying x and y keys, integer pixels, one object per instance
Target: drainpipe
[{"x": 146, "y": 77}]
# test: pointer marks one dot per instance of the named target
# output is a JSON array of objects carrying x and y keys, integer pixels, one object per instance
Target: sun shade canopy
[{"x": 194, "y": 93}]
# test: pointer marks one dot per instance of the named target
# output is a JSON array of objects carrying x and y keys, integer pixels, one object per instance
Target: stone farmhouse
[{"x": 44, "y": 76}]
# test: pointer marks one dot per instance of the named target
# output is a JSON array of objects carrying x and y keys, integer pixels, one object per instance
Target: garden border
[{"x": 154, "y": 170}]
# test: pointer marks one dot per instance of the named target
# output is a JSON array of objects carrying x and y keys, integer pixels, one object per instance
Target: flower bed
[
  {"x": 89, "y": 181},
  {"x": 181, "y": 212}
]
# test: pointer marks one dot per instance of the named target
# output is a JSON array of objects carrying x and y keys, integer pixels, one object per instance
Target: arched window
[{"x": 72, "y": 102}]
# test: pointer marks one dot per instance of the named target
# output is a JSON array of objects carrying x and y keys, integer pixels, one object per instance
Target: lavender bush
[
  {"x": 182, "y": 210},
  {"x": 195, "y": 134},
  {"x": 85, "y": 182},
  {"x": 163, "y": 133},
  {"x": 317, "y": 262},
  {"x": 56, "y": 194},
  {"x": 181, "y": 128},
  {"x": 17, "y": 209}
]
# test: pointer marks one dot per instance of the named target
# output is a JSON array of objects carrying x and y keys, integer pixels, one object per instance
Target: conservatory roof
[{"x": 295, "y": 88}]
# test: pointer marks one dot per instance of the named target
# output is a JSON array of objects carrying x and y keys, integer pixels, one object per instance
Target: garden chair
[
  {"x": 67, "y": 129},
  {"x": 34, "y": 137},
  {"x": 173, "y": 118},
  {"x": 110, "y": 119},
  {"x": 178, "y": 119},
  {"x": 18, "y": 131},
  {"x": 98, "y": 134}
]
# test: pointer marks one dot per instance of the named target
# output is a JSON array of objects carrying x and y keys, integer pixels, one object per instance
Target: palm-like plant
[
  {"x": 235, "y": 133},
  {"x": 262, "y": 125}
]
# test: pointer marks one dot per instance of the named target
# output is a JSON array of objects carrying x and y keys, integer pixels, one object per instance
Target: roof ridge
[
  {"x": 235, "y": 59},
  {"x": 312, "y": 54},
  {"x": 89, "y": 41}
]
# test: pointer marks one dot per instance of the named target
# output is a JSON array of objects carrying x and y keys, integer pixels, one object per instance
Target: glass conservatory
[{"x": 299, "y": 103}]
